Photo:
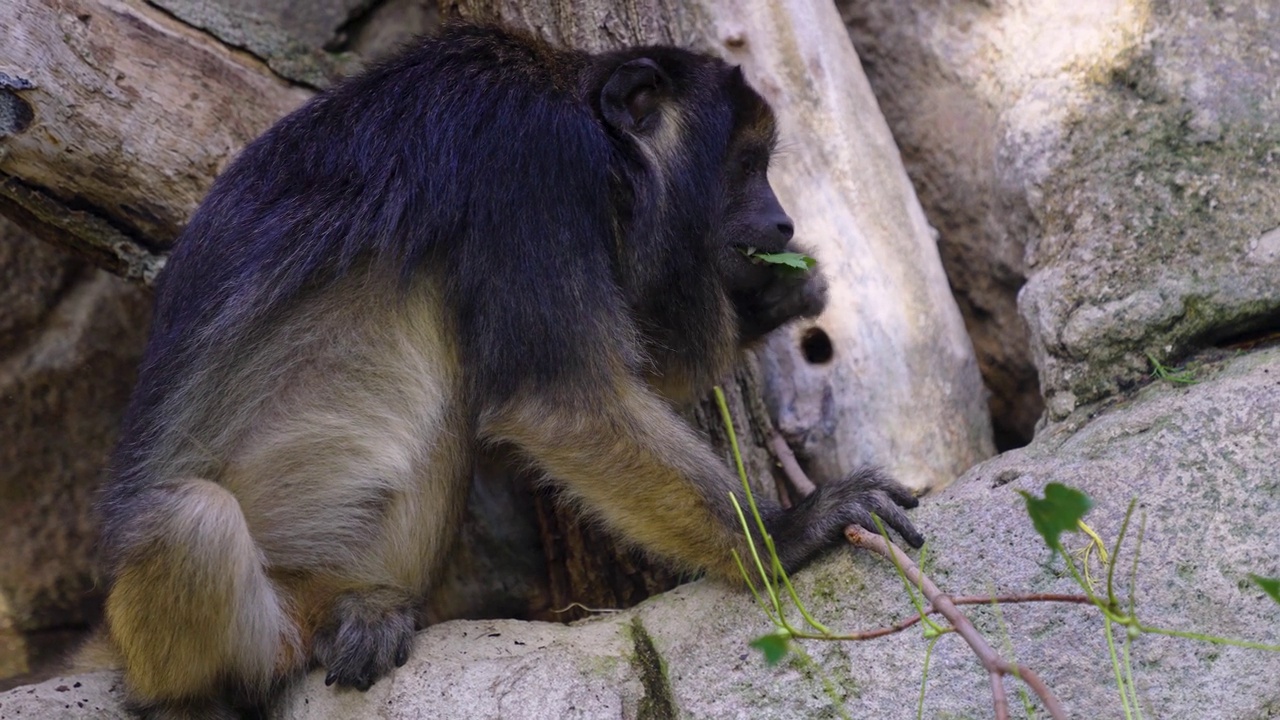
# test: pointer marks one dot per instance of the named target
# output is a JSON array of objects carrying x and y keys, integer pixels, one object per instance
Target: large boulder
[
  {"x": 1121, "y": 157},
  {"x": 1200, "y": 459}
]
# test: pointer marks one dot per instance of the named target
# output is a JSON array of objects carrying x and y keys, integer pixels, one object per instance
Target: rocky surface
[
  {"x": 1120, "y": 156},
  {"x": 1199, "y": 458}
]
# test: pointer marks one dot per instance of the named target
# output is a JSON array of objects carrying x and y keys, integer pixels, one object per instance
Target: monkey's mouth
[
  {"x": 750, "y": 252},
  {"x": 745, "y": 254}
]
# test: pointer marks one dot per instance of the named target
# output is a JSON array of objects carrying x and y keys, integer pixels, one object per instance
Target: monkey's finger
[
  {"x": 901, "y": 494},
  {"x": 893, "y": 516},
  {"x": 871, "y": 479},
  {"x": 364, "y": 680}
]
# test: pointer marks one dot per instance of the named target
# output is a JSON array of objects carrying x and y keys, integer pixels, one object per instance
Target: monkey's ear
[{"x": 633, "y": 94}]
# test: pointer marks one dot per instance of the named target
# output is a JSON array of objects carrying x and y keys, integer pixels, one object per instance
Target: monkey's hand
[
  {"x": 818, "y": 521},
  {"x": 786, "y": 295}
]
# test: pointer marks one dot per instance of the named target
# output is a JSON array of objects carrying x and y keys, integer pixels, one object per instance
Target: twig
[
  {"x": 945, "y": 606},
  {"x": 782, "y": 485},
  {"x": 584, "y": 608},
  {"x": 1021, "y": 598},
  {"x": 999, "y": 700},
  {"x": 939, "y": 601},
  {"x": 997, "y": 667},
  {"x": 913, "y": 620},
  {"x": 790, "y": 466}
]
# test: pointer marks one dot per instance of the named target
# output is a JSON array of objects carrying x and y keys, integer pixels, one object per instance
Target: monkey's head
[{"x": 700, "y": 140}]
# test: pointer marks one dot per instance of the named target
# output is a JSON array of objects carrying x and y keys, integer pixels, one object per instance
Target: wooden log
[{"x": 114, "y": 120}]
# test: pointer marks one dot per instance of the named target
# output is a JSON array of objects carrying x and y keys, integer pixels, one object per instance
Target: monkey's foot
[{"x": 368, "y": 633}]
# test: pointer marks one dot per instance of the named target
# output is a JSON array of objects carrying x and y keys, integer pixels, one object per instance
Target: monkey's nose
[{"x": 775, "y": 228}]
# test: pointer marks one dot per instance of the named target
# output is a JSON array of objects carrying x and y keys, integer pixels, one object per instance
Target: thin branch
[
  {"x": 790, "y": 466},
  {"x": 784, "y": 491},
  {"x": 999, "y": 699},
  {"x": 1021, "y": 598},
  {"x": 990, "y": 659},
  {"x": 913, "y": 620},
  {"x": 584, "y": 608}
]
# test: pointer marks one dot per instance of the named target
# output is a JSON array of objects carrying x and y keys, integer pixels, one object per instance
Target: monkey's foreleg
[
  {"x": 190, "y": 608},
  {"x": 638, "y": 466}
]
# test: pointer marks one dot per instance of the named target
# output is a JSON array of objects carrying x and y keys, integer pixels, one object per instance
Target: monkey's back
[{"x": 418, "y": 172}]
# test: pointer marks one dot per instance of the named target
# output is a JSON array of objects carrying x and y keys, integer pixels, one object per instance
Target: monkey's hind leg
[{"x": 191, "y": 610}]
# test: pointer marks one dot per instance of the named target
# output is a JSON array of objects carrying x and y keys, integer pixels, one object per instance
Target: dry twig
[
  {"x": 800, "y": 482},
  {"x": 991, "y": 660},
  {"x": 914, "y": 620}
]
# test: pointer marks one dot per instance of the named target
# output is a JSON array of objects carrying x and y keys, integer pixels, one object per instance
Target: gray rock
[
  {"x": 95, "y": 695},
  {"x": 1201, "y": 459},
  {"x": 1130, "y": 149},
  {"x": 306, "y": 41},
  {"x": 496, "y": 669}
]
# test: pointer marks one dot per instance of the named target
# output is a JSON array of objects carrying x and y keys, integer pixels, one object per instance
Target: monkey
[{"x": 483, "y": 240}]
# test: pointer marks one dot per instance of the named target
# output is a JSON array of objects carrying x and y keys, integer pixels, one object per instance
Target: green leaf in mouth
[{"x": 797, "y": 261}]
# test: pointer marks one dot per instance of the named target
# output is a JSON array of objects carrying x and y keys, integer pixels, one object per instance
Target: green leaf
[
  {"x": 799, "y": 261},
  {"x": 1270, "y": 586},
  {"x": 774, "y": 646},
  {"x": 1057, "y": 512},
  {"x": 1184, "y": 376}
]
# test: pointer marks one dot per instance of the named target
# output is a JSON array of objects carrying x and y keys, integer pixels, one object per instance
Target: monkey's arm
[{"x": 638, "y": 466}]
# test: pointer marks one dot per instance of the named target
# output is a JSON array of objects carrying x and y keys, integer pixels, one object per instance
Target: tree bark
[{"x": 114, "y": 120}]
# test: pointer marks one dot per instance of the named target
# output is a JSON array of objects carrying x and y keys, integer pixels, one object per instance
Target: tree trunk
[{"x": 115, "y": 117}]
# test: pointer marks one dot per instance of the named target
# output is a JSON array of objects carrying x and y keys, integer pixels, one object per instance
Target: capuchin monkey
[{"x": 484, "y": 240}]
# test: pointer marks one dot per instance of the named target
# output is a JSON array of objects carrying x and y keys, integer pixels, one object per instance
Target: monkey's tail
[
  {"x": 191, "y": 609},
  {"x": 97, "y": 652}
]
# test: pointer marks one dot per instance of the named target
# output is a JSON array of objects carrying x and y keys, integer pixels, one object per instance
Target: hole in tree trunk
[{"x": 816, "y": 346}]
